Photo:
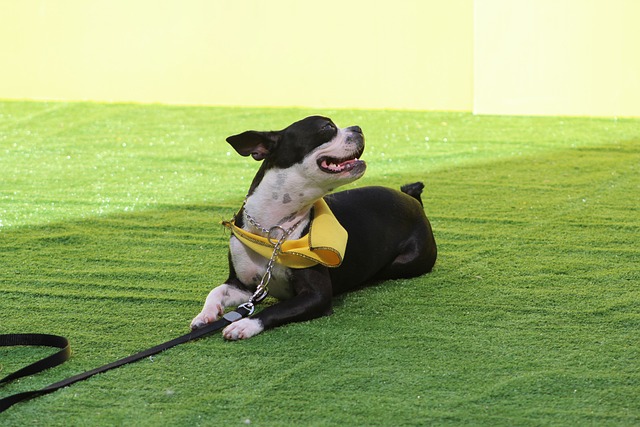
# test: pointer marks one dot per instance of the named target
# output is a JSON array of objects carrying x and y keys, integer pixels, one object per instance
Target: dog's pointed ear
[{"x": 254, "y": 143}]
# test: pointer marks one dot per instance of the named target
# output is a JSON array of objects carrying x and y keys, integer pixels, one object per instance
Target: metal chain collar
[{"x": 262, "y": 290}]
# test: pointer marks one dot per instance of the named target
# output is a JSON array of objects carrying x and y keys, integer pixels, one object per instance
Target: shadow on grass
[{"x": 153, "y": 252}]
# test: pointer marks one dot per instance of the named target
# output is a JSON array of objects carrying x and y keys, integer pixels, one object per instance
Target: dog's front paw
[
  {"x": 243, "y": 329},
  {"x": 209, "y": 314}
]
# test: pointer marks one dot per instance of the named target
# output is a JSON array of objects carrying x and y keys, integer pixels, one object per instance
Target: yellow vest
[{"x": 324, "y": 244}]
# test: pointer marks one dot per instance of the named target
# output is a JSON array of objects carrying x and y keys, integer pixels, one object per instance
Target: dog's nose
[{"x": 355, "y": 129}]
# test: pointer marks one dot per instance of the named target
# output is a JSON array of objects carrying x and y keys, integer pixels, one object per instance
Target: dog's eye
[{"x": 328, "y": 127}]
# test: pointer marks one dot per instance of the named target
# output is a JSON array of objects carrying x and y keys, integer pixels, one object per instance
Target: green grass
[{"x": 109, "y": 235}]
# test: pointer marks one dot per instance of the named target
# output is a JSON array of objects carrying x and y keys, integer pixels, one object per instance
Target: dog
[{"x": 386, "y": 231}]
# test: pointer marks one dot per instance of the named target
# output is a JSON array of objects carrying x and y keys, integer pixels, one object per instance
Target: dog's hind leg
[{"x": 417, "y": 257}]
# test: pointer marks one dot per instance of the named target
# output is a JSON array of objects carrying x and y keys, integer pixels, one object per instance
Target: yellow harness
[{"x": 324, "y": 244}]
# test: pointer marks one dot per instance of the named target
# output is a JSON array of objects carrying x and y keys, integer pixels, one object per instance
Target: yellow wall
[
  {"x": 409, "y": 54},
  {"x": 569, "y": 57},
  {"x": 576, "y": 57}
]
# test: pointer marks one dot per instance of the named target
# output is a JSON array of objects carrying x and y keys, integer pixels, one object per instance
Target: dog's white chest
[{"x": 251, "y": 267}]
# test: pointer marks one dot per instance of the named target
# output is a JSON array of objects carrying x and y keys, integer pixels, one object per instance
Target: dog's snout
[{"x": 356, "y": 129}]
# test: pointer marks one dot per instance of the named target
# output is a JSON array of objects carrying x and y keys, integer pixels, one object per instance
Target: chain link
[{"x": 263, "y": 287}]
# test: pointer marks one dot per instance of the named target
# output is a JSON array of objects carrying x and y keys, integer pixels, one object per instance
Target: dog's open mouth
[{"x": 334, "y": 165}]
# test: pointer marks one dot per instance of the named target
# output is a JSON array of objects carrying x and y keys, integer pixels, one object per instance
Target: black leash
[{"x": 65, "y": 352}]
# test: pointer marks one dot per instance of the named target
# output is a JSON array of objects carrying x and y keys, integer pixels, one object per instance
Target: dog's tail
[{"x": 414, "y": 190}]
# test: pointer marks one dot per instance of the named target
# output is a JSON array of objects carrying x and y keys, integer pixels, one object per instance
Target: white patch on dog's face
[
  {"x": 340, "y": 157},
  {"x": 332, "y": 164}
]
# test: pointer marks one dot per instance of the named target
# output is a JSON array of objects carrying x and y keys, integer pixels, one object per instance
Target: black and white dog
[{"x": 389, "y": 235}]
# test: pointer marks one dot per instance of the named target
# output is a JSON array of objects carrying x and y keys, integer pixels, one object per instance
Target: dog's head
[{"x": 314, "y": 150}]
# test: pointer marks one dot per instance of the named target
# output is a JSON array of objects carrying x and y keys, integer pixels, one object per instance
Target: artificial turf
[{"x": 110, "y": 235}]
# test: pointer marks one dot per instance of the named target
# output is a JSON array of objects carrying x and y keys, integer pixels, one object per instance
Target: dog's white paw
[
  {"x": 243, "y": 329},
  {"x": 209, "y": 314},
  {"x": 223, "y": 296}
]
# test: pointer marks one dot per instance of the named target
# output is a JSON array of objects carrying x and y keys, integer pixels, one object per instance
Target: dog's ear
[{"x": 254, "y": 143}]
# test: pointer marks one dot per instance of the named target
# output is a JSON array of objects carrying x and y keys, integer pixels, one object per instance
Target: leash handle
[
  {"x": 43, "y": 340},
  {"x": 63, "y": 355}
]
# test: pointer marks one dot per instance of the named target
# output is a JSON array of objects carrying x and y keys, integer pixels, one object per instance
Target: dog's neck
[{"x": 281, "y": 199}]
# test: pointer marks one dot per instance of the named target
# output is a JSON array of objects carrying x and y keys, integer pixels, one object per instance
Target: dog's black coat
[{"x": 389, "y": 237}]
